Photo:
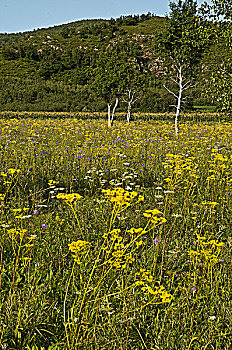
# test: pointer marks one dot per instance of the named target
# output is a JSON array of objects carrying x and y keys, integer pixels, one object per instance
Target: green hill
[{"x": 52, "y": 69}]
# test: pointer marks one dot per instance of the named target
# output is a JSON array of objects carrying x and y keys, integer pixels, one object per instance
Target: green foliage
[
  {"x": 187, "y": 36},
  {"x": 221, "y": 86},
  {"x": 220, "y": 10},
  {"x": 117, "y": 72},
  {"x": 74, "y": 57},
  {"x": 181, "y": 28},
  {"x": 220, "y": 81}
]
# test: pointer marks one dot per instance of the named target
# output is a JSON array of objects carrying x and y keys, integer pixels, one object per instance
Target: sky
[{"x": 22, "y": 15}]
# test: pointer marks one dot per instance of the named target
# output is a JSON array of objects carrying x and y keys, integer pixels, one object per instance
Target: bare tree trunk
[
  {"x": 182, "y": 85},
  {"x": 109, "y": 121},
  {"x": 176, "y": 124},
  {"x": 131, "y": 99},
  {"x": 111, "y": 118},
  {"x": 180, "y": 79},
  {"x": 128, "y": 112},
  {"x": 116, "y": 103}
]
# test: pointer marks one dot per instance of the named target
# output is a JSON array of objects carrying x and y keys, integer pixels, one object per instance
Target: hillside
[{"x": 53, "y": 69}]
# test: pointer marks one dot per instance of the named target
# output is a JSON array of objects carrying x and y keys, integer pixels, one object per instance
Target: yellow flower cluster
[
  {"x": 179, "y": 169},
  {"x": 144, "y": 275},
  {"x": 211, "y": 204},
  {"x": 12, "y": 171},
  {"x": 14, "y": 233},
  {"x": 154, "y": 219},
  {"x": 69, "y": 198},
  {"x": 52, "y": 183},
  {"x": 151, "y": 212},
  {"x": 79, "y": 249},
  {"x": 122, "y": 197},
  {"x": 21, "y": 243},
  {"x": 220, "y": 166},
  {"x": 135, "y": 230},
  {"x": 119, "y": 258},
  {"x": 159, "y": 292},
  {"x": 208, "y": 252}
]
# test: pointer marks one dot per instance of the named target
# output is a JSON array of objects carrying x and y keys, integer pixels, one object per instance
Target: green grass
[
  {"x": 152, "y": 26},
  {"x": 206, "y": 108},
  {"x": 104, "y": 291}
]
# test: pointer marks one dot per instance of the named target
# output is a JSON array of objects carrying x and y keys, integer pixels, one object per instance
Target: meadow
[{"x": 115, "y": 238}]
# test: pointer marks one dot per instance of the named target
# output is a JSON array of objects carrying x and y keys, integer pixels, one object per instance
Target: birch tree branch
[{"x": 171, "y": 92}]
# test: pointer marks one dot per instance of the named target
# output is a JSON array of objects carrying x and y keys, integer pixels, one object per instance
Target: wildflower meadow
[{"x": 115, "y": 238}]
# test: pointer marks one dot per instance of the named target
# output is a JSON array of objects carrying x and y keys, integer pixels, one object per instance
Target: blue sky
[{"x": 22, "y": 15}]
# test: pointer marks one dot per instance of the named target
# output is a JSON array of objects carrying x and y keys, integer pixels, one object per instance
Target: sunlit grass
[{"x": 115, "y": 239}]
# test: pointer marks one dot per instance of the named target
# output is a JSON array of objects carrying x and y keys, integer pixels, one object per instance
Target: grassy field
[
  {"x": 202, "y": 116},
  {"x": 115, "y": 238}
]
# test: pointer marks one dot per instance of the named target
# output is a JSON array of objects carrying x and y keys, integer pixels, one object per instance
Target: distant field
[
  {"x": 115, "y": 238},
  {"x": 201, "y": 114}
]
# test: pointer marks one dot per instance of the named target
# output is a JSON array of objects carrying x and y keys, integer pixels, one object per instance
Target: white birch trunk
[
  {"x": 111, "y": 118},
  {"x": 178, "y": 107},
  {"x": 130, "y": 101},
  {"x": 128, "y": 112},
  {"x": 115, "y": 106},
  {"x": 179, "y": 97},
  {"x": 183, "y": 85}
]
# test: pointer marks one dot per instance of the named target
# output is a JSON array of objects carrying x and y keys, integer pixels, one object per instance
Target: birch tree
[
  {"x": 111, "y": 116},
  {"x": 185, "y": 40},
  {"x": 115, "y": 74},
  {"x": 183, "y": 84},
  {"x": 130, "y": 98},
  {"x": 106, "y": 82}
]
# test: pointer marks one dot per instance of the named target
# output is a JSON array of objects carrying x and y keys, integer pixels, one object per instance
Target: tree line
[{"x": 93, "y": 66}]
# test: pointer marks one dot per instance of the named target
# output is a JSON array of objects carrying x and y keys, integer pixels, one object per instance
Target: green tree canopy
[{"x": 220, "y": 84}]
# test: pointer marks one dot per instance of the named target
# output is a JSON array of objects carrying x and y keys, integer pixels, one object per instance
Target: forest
[{"x": 84, "y": 65}]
